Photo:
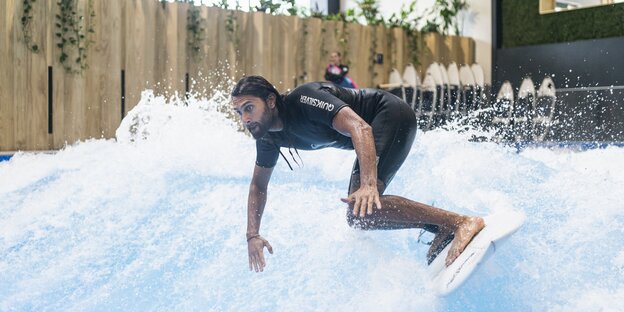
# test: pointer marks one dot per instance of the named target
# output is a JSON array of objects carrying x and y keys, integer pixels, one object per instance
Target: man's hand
[
  {"x": 363, "y": 200},
  {"x": 255, "y": 247}
]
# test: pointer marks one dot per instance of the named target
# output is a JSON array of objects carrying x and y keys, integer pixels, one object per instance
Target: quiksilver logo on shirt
[{"x": 316, "y": 103}]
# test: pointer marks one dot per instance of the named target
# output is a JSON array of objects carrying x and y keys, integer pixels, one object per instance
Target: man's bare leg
[{"x": 399, "y": 212}]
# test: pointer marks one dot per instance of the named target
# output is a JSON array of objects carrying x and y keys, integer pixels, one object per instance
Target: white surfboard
[{"x": 497, "y": 227}]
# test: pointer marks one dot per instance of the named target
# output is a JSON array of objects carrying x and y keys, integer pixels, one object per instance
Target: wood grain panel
[
  {"x": 181, "y": 44},
  {"x": 7, "y": 105},
  {"x": 103, "y": 98},
  {"x": 453, "y": 46},
  {"x": 138, "y": 40},
  {"x": 316, "y": 60},
  {"x": 30, "y": 82},
  {"x": 467, "y": 46}
]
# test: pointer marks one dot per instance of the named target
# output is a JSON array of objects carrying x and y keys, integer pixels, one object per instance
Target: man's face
[
  {"x": 334, "y": 58},
  {"x": 255, "y": 113}
]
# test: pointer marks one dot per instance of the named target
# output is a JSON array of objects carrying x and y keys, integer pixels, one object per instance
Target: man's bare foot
[
  {"x": 440, "y": 241},
  {"x": 463, "y": 235}
]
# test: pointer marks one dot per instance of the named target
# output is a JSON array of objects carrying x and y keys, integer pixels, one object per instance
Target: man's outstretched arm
[
  {"x": 348, "y": 123},
  {"x": 255, "y": 207}
]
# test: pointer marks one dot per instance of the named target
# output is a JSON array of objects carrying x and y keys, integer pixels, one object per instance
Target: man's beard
[{"x": 259, "y": 128}]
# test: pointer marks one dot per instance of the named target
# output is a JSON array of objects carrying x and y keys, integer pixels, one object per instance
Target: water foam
[{"x": 156, "y": 219}]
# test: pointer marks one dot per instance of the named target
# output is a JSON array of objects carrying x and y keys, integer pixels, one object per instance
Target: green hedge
[{"x": 522, "y": 24}]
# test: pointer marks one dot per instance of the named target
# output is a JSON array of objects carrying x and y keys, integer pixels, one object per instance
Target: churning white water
[{"x": 156, "y": 220}]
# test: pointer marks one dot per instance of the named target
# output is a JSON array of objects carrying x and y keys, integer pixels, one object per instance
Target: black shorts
[{"x": 394, "y": 130}]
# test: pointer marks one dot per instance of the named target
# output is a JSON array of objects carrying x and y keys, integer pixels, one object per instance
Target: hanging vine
[
  {"x": 231, "y": 26},
  {"x": 195, "y": 28},
  {"x": 27, "y": 16},
  {"x": 324, "y": 50},
  {"x": 391, "y": 47},
  {"x": 408, "y": 21},
  {"x": 72, "y": 39},
  {"x": 373, "y": 53},
  {"x": 414, "y": 43},
  {"x": 343, "y": 41},
  {"x": 302, "y": 56}
]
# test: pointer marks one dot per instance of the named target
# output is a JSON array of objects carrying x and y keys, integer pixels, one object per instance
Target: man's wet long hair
[{"x": 259, "y": 87}]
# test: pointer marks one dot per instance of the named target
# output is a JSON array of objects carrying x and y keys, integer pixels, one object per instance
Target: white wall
[{"x": 476, "y": 23}]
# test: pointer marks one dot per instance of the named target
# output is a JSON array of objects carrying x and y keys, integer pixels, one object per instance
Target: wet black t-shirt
[{"x": 309, "y": 112}]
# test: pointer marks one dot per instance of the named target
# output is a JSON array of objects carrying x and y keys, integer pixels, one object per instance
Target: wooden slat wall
[
  {"x": 30, "y": 83},
  {"x": 7, "y": 106},
  {"x": 138, "y": 52},
  {"x": 148, "y": 40},
  {"x": 314, "y": 42},
  {"x": 59, "y": 133},
  {"x": 103, "y": 97}
]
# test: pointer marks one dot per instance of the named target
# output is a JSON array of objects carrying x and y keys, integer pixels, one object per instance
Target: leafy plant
[
  {"x": 27, "y": 16},
  {"x": 268, "y": 6},
  {"x": 71, "y": 37},
  {"x": 292, "y": 8},
  {"x": 195, "y": 28},
  {"x": 223, "y": 4},
  {"x": 231, "y": 26},
  {"x": 431, "y": 25},
  {"x": 406, "y": 18},
  {"x": 369, "y": 10},
  {"x": 448, "y": 11}
]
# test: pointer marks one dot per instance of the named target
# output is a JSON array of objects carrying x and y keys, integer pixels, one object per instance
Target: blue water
[{"x": 156, "y": 220}]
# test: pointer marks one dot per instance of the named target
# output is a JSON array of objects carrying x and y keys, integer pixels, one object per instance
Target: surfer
[{"x": 379, "y": 126}]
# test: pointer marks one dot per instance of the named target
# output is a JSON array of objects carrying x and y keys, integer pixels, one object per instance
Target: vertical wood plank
[
  {"x": 30, "y": 82},
  {"x": 282, "y": 54},
  {"x": 39, "y": 81},
  {"x": 468, "y": 50},
  {"x": 275, "y": 56},
  {"x": 381, "y": 70},
  {"x": 202, "y": 62},
  {"x": 7, "y": 105},
  {"x": 181, "y": 60},
  {"x": 453, "y": 46},
  {"x": 261, "y": 45},
  {"x": 330, "y": 43},
  {"x": 400, "y": 58},
  {"x": 359, "y": 54},
  {"x": 237, "y": 48},
  {"x": 139, "y": 22},
  {"x": 160, "y": 47},
  {"x": 301, "y": 29},
  {"x": 228, "y": 42},
  {"x": 316, "y": 60},
  {"x": 170, "y": 80},
  {"x": 432, "y": 50},
  {"x": 74, "y": 94},
  {"x": 150, "y": 53},
  {"x": 290, "y": 30},
  {"x": 103, "y": 98},
  {"x": 209, "y": 70},
  {"x": 95, "y": 96},
  {"x": 60, "y": 132}
]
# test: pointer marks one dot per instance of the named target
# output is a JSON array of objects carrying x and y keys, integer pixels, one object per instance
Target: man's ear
[{"x": 271, "y": 101}]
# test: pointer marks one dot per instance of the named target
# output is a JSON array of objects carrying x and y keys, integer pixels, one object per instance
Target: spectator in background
[{"x": 337, "y": 72}]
